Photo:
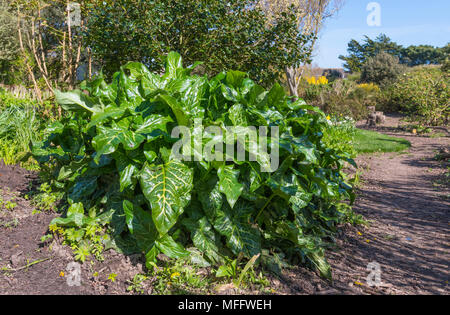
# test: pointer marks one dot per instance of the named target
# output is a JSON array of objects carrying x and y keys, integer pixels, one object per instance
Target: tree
[
  {"x": 359, "y": 52},
  {"x": 423, "y": 55},
  {"x": 226, "y": 35},
  {"x": 311, "y": 15},
  {"x": 381, "y": 69}
]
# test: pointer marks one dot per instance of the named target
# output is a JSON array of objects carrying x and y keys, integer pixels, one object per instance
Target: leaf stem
[{"x": 266, "y": 204}]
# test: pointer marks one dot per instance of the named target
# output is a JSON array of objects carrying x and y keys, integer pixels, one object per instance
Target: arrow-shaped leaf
[{"x": 167, "y": 188}]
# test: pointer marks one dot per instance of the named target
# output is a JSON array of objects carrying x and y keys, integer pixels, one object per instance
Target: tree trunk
[{"x": 293, "y": 82}]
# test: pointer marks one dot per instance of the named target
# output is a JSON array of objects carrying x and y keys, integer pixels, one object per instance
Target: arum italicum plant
[{"x": 113, "y": 154}]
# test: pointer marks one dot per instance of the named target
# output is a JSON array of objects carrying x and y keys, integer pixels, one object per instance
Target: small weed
[
  {"x": 136, "y": 285},
  {"x": 10, "y": 224},
  {"x": 45, "y": 199},
  {"x": 112, "y": 277}
]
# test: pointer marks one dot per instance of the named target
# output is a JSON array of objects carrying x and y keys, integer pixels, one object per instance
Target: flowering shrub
[
  {"x": 369, "y": 87},
  {"x": 342, "y": 97},
  {"x": 313, "y": 87},
  {"x": 319, "y": 81},
  {"x": 423, "y": 94}
]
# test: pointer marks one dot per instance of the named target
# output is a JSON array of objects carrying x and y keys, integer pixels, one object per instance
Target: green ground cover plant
[{"x": 111, "y": 155}]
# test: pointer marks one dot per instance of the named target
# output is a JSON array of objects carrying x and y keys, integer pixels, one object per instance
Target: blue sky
[{"x": 407, "y": 22}]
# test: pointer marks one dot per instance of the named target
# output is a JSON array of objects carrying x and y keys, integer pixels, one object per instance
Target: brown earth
[{"x": 405, "y": 197}]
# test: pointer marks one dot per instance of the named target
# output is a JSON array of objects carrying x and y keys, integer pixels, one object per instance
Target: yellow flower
[
  {"x": 61, "y": 274},
  {"x": 322, "y": 80},
  {"x": 174, "y": 275},
  {"x": 328, "y": 117},
  {"x": 311, "y": 80},
  {"x": 359, "y": 233},
  {"x": 358, "y": 283},
  {"x": 367, "y": 241}
]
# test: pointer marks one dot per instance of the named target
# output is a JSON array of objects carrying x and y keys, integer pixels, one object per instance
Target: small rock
[
  {"x": 276, "y": 282},
  {"x": 227, "y": 289},
  {"x": 15, "y": 259}
]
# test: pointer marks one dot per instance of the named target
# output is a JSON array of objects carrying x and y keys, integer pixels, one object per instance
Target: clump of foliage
[
  {"x": 20, "y": 123},
  {"x": 341, "y": 98},
  {"x": 340, "y": 133},
  {"x": 84, "y": 233},
  {"x": 226, "y": 35},
  {"x": 381, "y": 69},
  {"x": 112, "y": 153},
  {"x": 446, "y": 65},
  {"x": 45, "y": 199},
  {"x": 423, "y": 94},
  {"x": 368, "y": 93},
  {"x": 311, "y": 88}
]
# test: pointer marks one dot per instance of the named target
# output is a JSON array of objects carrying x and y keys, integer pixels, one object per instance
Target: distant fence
[{"x": 20, "y": 91}]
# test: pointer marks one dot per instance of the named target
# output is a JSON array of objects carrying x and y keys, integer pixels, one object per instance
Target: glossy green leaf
[
  {"x": 167, "y": 188},
  {"x": 229, "y": 183}
]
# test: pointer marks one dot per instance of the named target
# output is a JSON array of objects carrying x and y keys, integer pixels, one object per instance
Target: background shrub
[
  {"x": 423, "y": 94},
  {"x": 381, "y": 69},
  {"x": 340, "y": 99}
]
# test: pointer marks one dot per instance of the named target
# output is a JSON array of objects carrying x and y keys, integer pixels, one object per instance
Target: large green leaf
[
  {"x": 177, "y": 109},
  {"x": 167, "y": 188},
  {"x": 241, "y": 236},
  {"x": 76, "y": 101},
  {"x": 235, "y": 78},
  {"x": 229, "y": 183},
  {"x": 110, "y": 112},
  {"x": 140, "y": 224},
  {"x": 203, "y": 237},
  {"x": 174, "y": 65},
  {"x": 172, "y": 249},
  {"x": 108, "y": 139},
  {"x": 152, "y": 123},
  {"x": 209, "y": 195}
]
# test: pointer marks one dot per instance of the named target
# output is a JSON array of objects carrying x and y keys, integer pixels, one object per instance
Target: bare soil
[{"x": 405, "y": 197}]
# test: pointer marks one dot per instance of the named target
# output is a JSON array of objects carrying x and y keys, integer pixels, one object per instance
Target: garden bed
[{"x": 405, "y": 197}]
